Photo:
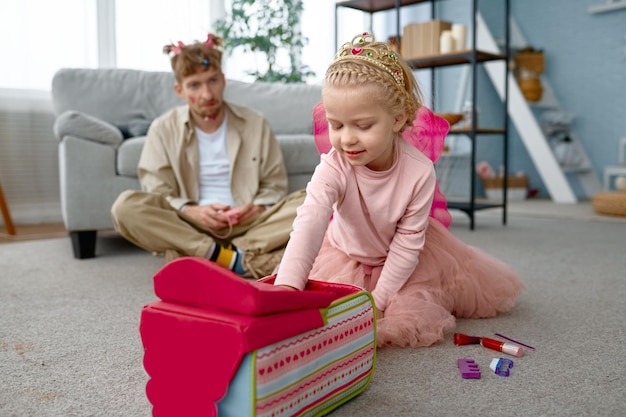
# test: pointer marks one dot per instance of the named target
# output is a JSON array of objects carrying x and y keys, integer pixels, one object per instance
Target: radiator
[{"x": 29, "y": 170}]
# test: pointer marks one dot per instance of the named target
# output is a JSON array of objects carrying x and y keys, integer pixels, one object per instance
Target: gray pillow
[
  {"x": 82, "y": 125},
  {"x": 134, "y": 128}
]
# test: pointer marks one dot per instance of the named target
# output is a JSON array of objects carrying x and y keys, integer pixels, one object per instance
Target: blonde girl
[{"x": 378, "y": 190}]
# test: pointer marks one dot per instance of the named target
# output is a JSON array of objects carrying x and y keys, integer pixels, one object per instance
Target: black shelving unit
[{"x": 472, "y": 57}]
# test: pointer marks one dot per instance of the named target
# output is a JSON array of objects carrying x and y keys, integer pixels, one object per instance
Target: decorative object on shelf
[
  {"x": 451, "y": 118},
  {"x": 528, "y": 65},
  {"x": 468, "y": 112},
  {"x": 484, "y": 171},
  {"x": 556, "y": 125},
  {"x": 617, "y": 171},
  {"x": 422, "y": 39},
  {"x": 517, "y": 186},
  {"x": 530, "y": 84},
  {"x": 393, "y": 43},
  {"x": 531, "y": 60},
  {"x": 459, "y": 33},
  {"x": 446, "y": 42}
]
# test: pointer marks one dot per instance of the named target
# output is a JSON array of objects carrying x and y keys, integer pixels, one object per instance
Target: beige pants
[{"x": 150, "y": 222}]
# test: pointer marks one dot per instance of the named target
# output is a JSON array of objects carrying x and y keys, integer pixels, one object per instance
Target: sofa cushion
[
  {"x": 287, "y": 107},
  {"x": 299, "y": 153},
  {"x": 119, "y": 96},
  {"x": 81, "y": 125},
  {"x": 134, "y": 128},
  {"x": 128, "y": 156}
]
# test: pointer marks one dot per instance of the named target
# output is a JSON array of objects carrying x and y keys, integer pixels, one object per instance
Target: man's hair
[{"x": 199, "y": 56}]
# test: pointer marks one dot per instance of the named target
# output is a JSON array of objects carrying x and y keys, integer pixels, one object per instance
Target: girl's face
[{"x": 360, "y": 128}]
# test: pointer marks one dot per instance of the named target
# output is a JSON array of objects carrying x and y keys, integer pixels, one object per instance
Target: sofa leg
[{"x": 84, "y": 244}]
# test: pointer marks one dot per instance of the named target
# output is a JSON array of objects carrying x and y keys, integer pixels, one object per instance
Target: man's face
[{"x": 204, "y": 92}]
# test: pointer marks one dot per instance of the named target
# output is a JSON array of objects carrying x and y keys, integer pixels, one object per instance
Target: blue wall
[{"x": 585, "y": 65}]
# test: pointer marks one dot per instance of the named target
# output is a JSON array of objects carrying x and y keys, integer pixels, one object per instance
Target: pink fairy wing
[
  {"x": 320, "y": 129},
  {"x": 427, "y": 134}
]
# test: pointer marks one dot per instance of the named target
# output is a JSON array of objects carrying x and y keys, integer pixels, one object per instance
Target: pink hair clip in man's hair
[
  {"x": 178, "y": 48},
  {"x": 210, "y": 42}
]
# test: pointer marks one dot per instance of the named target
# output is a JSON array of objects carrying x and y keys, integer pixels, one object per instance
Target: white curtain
[{"x": 40, "y": 36}]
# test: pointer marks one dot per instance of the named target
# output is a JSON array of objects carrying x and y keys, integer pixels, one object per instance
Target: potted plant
[{"x": 268, "y": 27}]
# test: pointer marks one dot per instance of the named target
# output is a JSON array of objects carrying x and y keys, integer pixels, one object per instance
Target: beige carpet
[{"x": 70, "y": 346}]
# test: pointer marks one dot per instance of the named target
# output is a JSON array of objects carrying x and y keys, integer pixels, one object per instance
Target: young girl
[{"x": 378, "y": 189}]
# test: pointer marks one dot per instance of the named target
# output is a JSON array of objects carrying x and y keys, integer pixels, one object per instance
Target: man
[{"x": 213, "y": 179}]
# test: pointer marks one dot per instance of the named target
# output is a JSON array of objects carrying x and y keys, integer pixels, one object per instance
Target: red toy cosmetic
[
  {"x": 509, "y": 348},
  {"x": 503, "y": 347}
]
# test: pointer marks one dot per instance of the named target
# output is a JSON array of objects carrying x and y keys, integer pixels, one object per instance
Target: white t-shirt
[{"x": 214, "y": 167}]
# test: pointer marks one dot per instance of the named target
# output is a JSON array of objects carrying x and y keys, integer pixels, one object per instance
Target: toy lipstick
[
  {"x": 463, "y": 339},
  {"x": 511, "y": 349},
  {"x": 502, "y": 346}
]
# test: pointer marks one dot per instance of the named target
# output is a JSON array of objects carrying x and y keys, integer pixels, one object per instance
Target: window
[
  {"x": 40, "y": 36},
  {"x": 143, "y": 27}
]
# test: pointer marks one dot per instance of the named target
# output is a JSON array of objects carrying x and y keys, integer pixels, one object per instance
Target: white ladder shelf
[{"x": 551, "y": 172}]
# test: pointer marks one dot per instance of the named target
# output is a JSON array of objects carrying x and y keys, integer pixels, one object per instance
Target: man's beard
[{"x": 211, "y": 113}]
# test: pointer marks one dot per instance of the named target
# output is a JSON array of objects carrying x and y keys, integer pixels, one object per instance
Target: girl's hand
[{"x": 287, "y": 287}]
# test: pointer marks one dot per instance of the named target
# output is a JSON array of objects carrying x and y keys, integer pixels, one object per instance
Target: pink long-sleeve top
[{"x": 379, "y": 218}]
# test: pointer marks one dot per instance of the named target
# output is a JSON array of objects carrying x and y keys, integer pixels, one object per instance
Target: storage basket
[
  {"x": 612, "y": 203},
  {"x": 517, "y": 187},
  {"x": 531, "y": 61}
]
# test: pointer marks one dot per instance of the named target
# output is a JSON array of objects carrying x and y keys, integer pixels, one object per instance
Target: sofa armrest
[{"x": 81, "y": 125}]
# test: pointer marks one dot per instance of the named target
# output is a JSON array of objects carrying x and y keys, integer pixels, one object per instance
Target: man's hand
[
  {"x": 213, "y": 216},
  {"x": 209, "y": 216},
  {"x": 248, "y": 212}
]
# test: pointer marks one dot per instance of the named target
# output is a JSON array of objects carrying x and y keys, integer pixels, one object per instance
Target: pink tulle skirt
[{"x": 451, "y": 280}]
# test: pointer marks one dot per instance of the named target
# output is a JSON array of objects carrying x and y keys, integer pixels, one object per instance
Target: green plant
[{"x": 269, "y": 27}]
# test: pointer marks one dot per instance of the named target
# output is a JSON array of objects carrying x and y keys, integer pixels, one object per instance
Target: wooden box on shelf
[
  {"x": 530, "y": 60},
  {"x": 517, "y": 187},
  {"x": 420, "y": 39}
]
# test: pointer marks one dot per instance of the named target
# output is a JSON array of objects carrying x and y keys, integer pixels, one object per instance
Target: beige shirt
[{"x": 169, "y": 162}]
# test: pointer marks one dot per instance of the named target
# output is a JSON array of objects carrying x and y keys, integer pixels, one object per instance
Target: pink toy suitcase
[{"x": 219, "y": 345}]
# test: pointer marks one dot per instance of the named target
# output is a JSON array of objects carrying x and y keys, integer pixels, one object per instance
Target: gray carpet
[{"x": 70, "y": 346}]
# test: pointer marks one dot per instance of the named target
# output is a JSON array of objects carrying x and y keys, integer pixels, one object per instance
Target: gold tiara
[{"x": 365, "y": 48}]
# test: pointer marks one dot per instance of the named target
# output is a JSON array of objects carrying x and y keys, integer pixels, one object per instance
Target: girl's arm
[
  {"x": 407, "y": 244},
  {"x": 309, "y": 228}
]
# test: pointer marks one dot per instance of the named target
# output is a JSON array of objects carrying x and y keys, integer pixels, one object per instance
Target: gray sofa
[{"x": 103, "y": 115}]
